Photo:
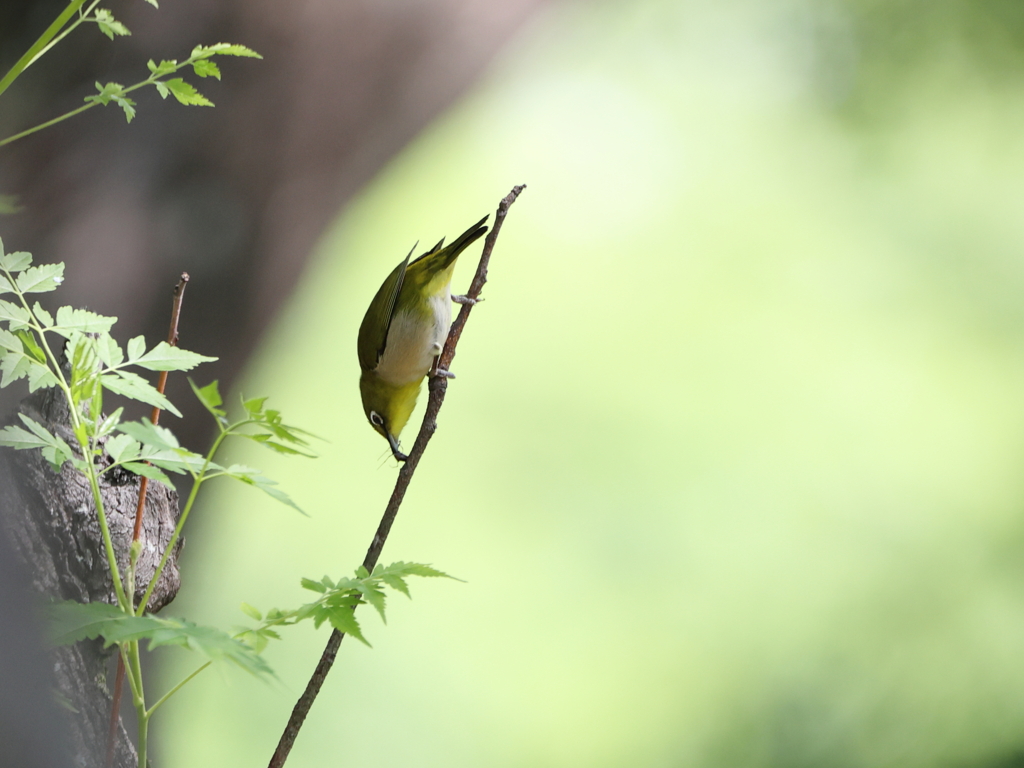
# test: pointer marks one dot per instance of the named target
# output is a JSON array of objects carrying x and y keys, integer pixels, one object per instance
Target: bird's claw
[{"x": 465, "y": 300}]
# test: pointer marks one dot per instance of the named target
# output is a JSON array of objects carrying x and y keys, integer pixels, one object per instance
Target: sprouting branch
[{"x": 438, "y": 386}]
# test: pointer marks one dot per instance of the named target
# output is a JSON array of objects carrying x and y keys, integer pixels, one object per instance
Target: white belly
[{"x": 413, "y": 342}]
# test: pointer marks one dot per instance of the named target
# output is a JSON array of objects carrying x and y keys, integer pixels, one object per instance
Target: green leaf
[
  {"x": 41, "y": 279},
  {"x": 343, "y": 619},
  {"x": 149, "y": 433},
  {"x": 40, "y": 377},
  {"x": 206, "y": 68},
  {"x": 136, "y": 348},
  {"x": 10, "y": 204},
  {"x": 18, "y": 317},
  {"x": 255, "y": 405},
  {"x": 223, "y": 49},
  {"x": 109, "y": 351},
  {"x": 164, "y": 357},
  {"x": 32, "y": 349},
  {"x": 55, "y": 450},
  {"x": 183, "y": 92},
  {"x": 315, "y": 586},
  {"x": 251, "y": 612},
  {"x": 15, "y": 262},
  {"x": 147, "y": 470},
  {"x": 45, "y": 318},
  {"x": 179, "y": 461},
  {"x": 19, "y": 439},
  {"x": 123, "y": 447},
  {"x": 71, "y": 622},
  {"x": 70, "y": 320},
  {"x": 253, "y": 477},
  {"x": 165, "y": 67},
  {"x": 109, "y": 423},
  {"x": 108, "y": 25},
  {"x": 137, "y": 388},
  {"x": 9, "y": 341},
  {"x": 14, "y": 366},
  {"x": 210, "y": 397}
]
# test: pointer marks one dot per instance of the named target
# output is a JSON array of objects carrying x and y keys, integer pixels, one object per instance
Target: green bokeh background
[{"x": 732, "y": 466}]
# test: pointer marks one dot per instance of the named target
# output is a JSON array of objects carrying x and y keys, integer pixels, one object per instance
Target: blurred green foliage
[{"x": 732, "y": 465}]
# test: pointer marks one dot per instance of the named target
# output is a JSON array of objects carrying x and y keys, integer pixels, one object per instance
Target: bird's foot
[
  {"x": 465, "y": 300},
  {"x": 442, "y": 374}
]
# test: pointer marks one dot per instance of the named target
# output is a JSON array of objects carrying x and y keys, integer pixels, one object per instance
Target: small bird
[{"x": 403, "y": 333}]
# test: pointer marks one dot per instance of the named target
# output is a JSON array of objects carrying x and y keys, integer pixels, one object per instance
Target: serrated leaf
[
  {"x": 40, "y": 377},
  {"x": 5, "y": 285},
  {"x": 15, "y": 262},
  {"x": 314, "y": 586},
  {"x": 251, "y": 612},
  {"x": 186, "y": 93},
  {"x": 123, "y": 447},
  {"x": 127, "y": 106},
  {"x": 164, "y": 357},
  {"x": 344, "y": 620},
  {"x": 109, "y": 423},
  {"x": 14, "y": 366},
  {"x": 108, "y": 25},
  {"x": 18, "y": 317},
  {"x": 254, "y": 477},
  {"x": 40, "y": 279},
  {"x": 179, "y": 461},
  {"x": 254, "y": 405},
  {"x": 71, "y": 621},
  {"x": 165, "y": 67},
  {"x": 147, "y": 470},
  {"x": 206, "y": 68},
  {"x": 136, "y": 348},
  {"x": 375, "y": 597},
  {"x": 109, "y": 351},
  {"x": 55, "y": 449},
  {"x": 210, "y": 397},
  {"x": 223, "y": 49},
  {"x": 20, "y": 439},
  {"x": 9, "y": 341},
  {"x": 71, "y": 320},
  {"x": 397, "y": 583},
  {"x": 45, "y": 318},
  {"x": 137, "y": 388},
  {"x": 149, "y": 433}
]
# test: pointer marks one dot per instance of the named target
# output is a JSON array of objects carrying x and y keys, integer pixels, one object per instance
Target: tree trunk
[{"x": 53, "y": 529}]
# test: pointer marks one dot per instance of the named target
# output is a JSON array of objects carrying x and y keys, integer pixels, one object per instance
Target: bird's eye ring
[{"x": 376, "y": 419}]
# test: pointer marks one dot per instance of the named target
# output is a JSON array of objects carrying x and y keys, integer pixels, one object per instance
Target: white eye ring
[{"x": 375, "y": 418}]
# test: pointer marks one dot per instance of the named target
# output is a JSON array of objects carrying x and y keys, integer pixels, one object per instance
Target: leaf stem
[
  {"x": 82, "y": 16},
  {"x": 44, "y": 39},
  {"x": 200, "y": 478},
  {"x": 84, "y": 446},
  {"x": 175, "y": 689}
]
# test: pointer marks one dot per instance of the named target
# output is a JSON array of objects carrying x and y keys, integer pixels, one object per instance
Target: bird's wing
[{"x": 373, "y": 332}]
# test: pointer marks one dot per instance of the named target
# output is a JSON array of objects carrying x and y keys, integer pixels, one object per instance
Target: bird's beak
[{"x": 399, "y": 456}]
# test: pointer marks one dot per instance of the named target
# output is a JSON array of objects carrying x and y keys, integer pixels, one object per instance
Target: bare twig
[
  {"x": 438, "y": 386},
  {"x": 172, "y": 339}
]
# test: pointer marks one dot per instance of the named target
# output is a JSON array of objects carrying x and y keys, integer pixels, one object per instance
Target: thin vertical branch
[
  {"x": 172, "y": 339},
  {"x": 438, "y": 386}
]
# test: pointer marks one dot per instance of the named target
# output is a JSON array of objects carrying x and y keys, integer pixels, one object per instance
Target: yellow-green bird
[{"x": 403, "y": 333}]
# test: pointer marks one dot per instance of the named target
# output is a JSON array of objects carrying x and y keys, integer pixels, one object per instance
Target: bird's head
[{"x": 387, "y": 407}]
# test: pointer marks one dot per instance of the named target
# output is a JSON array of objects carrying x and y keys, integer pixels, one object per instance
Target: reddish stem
[{"x": 140, "y": 508}]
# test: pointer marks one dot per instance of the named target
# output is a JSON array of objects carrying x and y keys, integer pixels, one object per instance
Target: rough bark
[{"x": 51, "y": 523}]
